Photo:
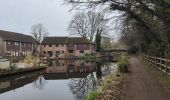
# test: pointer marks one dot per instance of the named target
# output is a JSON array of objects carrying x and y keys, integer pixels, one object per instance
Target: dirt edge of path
[{"x": 141, "y": 83}]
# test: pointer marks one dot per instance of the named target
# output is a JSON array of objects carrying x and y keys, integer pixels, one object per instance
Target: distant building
[
  {"x": 16, "y": 43},
  {"x": 66, "y": 46}
]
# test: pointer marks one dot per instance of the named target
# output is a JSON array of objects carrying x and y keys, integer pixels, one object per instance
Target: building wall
[
  {"x": 60, "y": 48},
  {"x": 16, "y": 48},
  {"x": 87, "y": 49},
  {"x": 2, "y": 48},
  {"x": 63, "y": 49},
  {"x": 26, "y": 47},
  {"x": 77, "y": 52}
]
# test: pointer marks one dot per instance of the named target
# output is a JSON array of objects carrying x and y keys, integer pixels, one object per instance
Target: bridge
[
  {"x": 115, "y": 50},
  {"x": 113, "y": 54}
]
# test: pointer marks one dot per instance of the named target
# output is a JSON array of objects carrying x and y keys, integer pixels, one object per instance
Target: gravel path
[{"x": 141, "y": 85}]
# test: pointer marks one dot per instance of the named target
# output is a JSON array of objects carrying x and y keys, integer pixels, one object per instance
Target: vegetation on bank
[
  {"x": 92, "y": 95},
  {"x": 123, "y": 64},
  {"x": 111, "y": 87},
  {"x": 90, "y": 56}
]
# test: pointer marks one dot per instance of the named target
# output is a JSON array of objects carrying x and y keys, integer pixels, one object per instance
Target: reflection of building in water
[
  {"x": 17, "y": 81},
  {"x": 4, "y": 84},
  {"x": 69, "y": 69},
  {"x": 80, "y": 66},
  {"x": 57, "y": 67}
]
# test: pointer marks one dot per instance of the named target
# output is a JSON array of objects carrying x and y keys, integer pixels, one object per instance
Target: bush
[
  {"x": 133, "y": 50},
  {"x": 93, "y": 95},
  {"x": 123, "y": 65},
  {"x": 90, "y": 56}
]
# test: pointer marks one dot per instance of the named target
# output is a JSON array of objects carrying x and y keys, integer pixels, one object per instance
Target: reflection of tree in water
[
  {"x": 80, "y": 87},
  {"x": 39, "y": 83},
  {"x": 107, "y": 68}
]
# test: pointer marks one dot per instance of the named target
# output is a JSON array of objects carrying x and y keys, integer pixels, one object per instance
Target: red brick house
[
  {"x": 16, "y": 43},
  {"x": 67, "y": 46}
]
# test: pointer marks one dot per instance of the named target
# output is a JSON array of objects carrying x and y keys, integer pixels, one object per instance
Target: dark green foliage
[
  {"x": 98, "y": 40},
  {"x": 145, "y": 21},
  {"x": 123, "y": 65},
  {"x": 133, "y": 50},
  {"x": 93, "y": 95}
]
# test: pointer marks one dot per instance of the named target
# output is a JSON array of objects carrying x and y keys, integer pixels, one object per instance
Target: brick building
[
  {"x": 16, "y": 43},
  {"x": 66, "y": 46}
]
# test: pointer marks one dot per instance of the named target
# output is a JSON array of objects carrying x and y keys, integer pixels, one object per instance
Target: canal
[{"x": 61, "y": 80}]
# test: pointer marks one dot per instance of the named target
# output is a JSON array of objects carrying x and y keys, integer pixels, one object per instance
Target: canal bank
[
  {"x": 113, "y": 84},
  {"x": 19, "y": 71}
]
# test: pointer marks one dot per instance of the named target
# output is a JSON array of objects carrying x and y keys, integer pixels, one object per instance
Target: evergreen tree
[{"x": 98, "y": 40}]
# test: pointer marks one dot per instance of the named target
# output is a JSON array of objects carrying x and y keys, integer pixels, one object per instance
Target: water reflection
[
  {"x": 65, "y": 69},
  {"x": 81, "y": 86},
  {"x": 79, "y": 72},
  {"x": 17, "y": 81},
  {"x": 62, "y": 79},
  {"x": 40, "y": 82}
]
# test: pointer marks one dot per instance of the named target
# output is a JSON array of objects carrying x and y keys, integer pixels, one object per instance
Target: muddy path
[{"x": 141, "y": 85}]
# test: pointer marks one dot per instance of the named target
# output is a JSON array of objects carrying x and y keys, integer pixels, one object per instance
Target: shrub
[
  {"x": 123, "y": 64},
  {"x": 93, "y": 95},
  {"x": 133, "y": 50},
  {"x": 90, "y": 56}
]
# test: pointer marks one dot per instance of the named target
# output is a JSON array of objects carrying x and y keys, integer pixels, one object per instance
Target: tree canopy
[
  {"x": 85, "y": 24},
  {"x": 145, "y": 22},
  {"x": 38, "y": 31}
]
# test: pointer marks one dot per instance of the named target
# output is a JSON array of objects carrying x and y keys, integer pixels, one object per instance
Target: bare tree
[
  {"x": 86, "y": 24},
  {"x": 38, "y": 31}
]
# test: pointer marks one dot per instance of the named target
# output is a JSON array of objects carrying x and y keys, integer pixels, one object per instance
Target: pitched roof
[
  {"x": 78, "y": 40},
  {"x": 54, "y": 40},
  {"x": 64, "y": 40},
  {"x": 12, "y": 36}
]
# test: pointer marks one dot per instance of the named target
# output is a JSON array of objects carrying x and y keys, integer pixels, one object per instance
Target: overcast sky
[{"x": 20, "y": 15}]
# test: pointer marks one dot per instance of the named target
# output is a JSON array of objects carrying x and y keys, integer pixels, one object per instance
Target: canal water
[{"x": 61, "y": 80}]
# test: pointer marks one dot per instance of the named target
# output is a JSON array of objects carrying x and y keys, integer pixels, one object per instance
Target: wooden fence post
[
  {"x": 155, "y": 62},
  {"x": 166, "y": 66}
]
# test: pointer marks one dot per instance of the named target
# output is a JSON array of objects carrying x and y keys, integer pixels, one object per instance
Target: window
[
  {"x": 16, "y": 43},
  {"x": 50, "y": 53},
  {"x": 50, "y": 45},
  {"x": 44, "y": 45},
  {"x": 62, "y": 51},
  {"x": 9, "y": 42},
  {"x": 62, "y": 45},
  {"x": 81, "y": 51},
  {"x": 44, "y": 52},
  {"x": 57, "y": 53},
  {"x": 56, "y": 45},
  {"x": 70, "y": 51}
]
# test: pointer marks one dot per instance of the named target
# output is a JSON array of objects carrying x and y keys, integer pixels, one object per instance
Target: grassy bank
[
  {"x": 122, "y": 65},
  {"x": 111, "y": 88}
]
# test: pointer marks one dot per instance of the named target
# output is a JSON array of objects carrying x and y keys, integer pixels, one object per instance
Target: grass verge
[{"x": 93, "y": 95}]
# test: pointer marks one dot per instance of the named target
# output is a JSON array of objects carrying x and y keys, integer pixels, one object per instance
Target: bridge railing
[{"x": 159, "y": 63}]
